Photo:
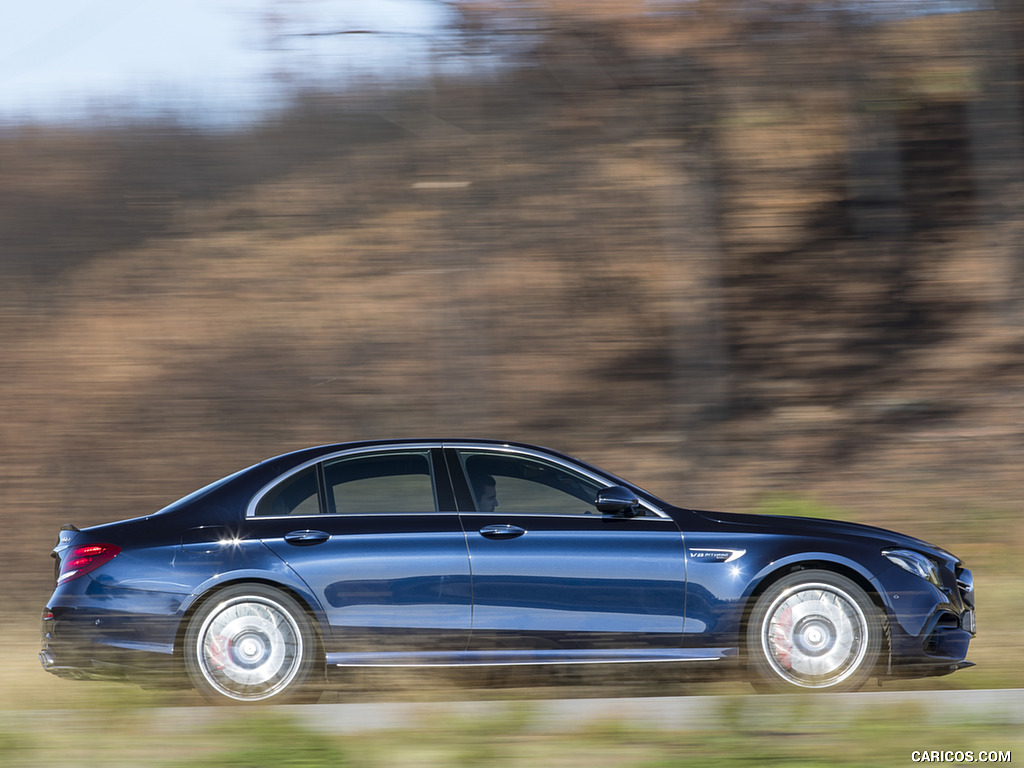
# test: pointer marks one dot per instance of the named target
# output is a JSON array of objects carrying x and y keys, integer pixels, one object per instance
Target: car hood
[{"x": 812, "y": 526}]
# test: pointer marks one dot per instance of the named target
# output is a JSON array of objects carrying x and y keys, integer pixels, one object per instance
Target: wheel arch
[
  {"x": 855, "y": 575},
  {"x": 203, "y": 597}
]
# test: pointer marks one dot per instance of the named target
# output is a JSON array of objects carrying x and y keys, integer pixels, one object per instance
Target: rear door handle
[
  {"x": 306, "y": 538},
  {"x": 501, "y": 531}
]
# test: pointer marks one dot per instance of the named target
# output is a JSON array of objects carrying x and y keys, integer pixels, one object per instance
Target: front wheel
[
  {"x": 248, "y": 644},
  {"x": 814, "y": 630}
]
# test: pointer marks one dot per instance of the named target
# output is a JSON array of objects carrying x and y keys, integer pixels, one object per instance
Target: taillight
[{"x": 81, "y": 560}]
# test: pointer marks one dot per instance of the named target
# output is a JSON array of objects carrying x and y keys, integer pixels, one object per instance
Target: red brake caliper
[
  {"x": 217, "y": 651},
  {"x": 782, "y": 633}
]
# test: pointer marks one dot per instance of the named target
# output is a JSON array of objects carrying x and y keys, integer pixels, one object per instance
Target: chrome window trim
[
  {"x": 508, "y": 448},
  {"x": 250, "y": 510},
  {"x": 551, "y": 459}
]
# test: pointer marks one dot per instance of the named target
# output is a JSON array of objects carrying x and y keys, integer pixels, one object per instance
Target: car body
[{"x": 261, "y": 586}]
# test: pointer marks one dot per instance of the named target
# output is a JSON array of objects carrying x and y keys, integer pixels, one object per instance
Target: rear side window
[
  {"x": 298, "y": 495},
  {"x": 392, "y": 482}
]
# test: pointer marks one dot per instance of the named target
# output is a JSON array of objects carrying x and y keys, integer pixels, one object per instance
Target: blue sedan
[{"x": 264, "y": 585}]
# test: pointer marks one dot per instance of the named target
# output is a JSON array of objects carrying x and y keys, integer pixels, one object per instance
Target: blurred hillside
[{"x": 733, "y": 257}]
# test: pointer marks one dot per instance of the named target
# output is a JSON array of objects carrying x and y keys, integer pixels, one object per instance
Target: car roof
[{"x": 328, "y": 448}]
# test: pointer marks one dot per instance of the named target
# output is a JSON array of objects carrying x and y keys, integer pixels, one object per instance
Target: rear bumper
[
  {"x": 81, "y": 641},
  {"x": 79, "y": 657}
]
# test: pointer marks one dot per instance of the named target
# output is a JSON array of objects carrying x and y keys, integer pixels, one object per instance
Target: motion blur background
[{"x": 753, "y": 255}]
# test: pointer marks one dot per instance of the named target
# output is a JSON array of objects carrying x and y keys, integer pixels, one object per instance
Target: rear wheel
[
  {"x": 814, "y": 630},
  {"x": 251, "y": 643}
]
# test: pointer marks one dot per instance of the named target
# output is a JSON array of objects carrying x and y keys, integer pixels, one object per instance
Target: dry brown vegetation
[{"x": 731, "y": 258}]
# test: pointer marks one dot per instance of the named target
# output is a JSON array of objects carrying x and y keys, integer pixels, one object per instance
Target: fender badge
[{"x": 716, "y": 555}]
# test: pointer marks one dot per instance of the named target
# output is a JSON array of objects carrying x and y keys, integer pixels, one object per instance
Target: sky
[
  {"x": 211, "y": 61},
  {"x": 62, "y": 59}
]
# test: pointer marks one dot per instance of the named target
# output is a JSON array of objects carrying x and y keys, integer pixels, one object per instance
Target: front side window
[
  {"x": 377, "y": 483},
  {"x": 523, "y": 485}
]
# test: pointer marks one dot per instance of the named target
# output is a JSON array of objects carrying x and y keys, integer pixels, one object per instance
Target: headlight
[{"x": 916, "y": 563}]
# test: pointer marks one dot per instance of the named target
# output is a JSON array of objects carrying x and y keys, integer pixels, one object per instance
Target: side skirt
[{"x": 523, "y": 658}]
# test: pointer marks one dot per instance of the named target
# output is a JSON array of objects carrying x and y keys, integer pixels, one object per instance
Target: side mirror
[{"x": 618, "y": 500}]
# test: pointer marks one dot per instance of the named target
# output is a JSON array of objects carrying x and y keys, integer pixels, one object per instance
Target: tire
[
  {"x": 813, "y": 631},
  {"x": 251, "y": 644}
]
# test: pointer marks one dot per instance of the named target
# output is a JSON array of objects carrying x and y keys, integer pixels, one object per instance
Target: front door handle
[
  {"x": 306, "y": 538},
  {"x": 501, "y": 531}
]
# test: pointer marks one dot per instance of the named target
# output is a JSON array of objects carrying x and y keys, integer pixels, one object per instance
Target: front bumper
[{"x": 930, "y": 628}]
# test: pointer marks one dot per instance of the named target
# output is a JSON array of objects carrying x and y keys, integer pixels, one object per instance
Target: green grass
[
  {"x": 799, "y": 506},
  {"x": 746, "y": 732}
]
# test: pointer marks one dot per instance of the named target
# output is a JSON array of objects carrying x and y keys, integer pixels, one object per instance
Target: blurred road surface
[{"x": 677, "y": 712}]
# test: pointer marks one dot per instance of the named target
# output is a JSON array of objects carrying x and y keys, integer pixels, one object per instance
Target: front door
[{"x": 551, "y": 573}]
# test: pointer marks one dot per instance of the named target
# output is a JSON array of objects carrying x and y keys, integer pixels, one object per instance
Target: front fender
[{"x": 719, "y": 595}]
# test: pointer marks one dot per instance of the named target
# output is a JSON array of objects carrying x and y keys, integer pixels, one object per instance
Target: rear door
[{"x": 375, "y": 536}]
